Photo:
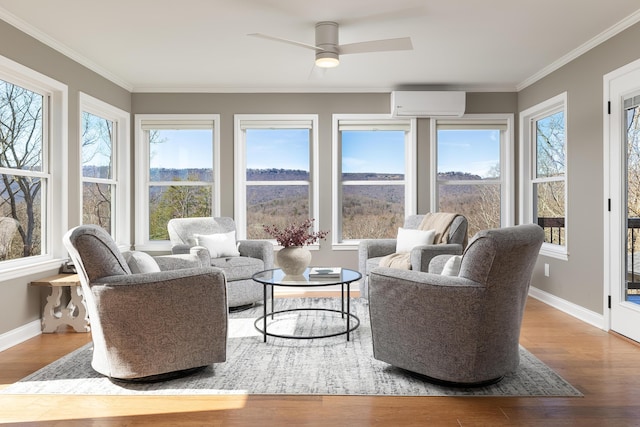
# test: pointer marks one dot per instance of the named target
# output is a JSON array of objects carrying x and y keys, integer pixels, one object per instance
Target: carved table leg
[
  {"x": 51, "y": 315},
  {"x": 54, "y": 315},
  {"x": 79, "y": 322}
]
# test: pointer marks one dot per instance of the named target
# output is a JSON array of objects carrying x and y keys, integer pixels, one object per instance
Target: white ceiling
[{"x": 202, "y": 45}]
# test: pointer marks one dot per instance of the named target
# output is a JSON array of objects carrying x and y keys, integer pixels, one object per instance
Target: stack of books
[{"x": 325, "y": 273}]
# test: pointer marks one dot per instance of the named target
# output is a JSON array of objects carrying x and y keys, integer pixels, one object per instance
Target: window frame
[
  {"x": 142, "y": 241},
  {"x": 240, "y": 154},
  {"x": 410, "y": 175},
  {"x": 507, "y": 142},
  {"x": 528, "y": 167},
  {"x": 55, "y": 164},
  {"x": 120, "y": 157}
]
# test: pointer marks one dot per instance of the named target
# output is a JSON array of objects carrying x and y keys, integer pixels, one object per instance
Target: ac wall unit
[{"x": 427, "y": 103}]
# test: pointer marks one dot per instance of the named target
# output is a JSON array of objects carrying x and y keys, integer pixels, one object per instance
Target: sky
[
  {"x": 183, "y": 149},
  {"x": 472, "y": 151},
  {"x": 279, "y": 149},
  {"x": 373, "y": 151}
]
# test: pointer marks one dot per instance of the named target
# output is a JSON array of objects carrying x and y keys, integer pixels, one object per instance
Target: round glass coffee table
[{"x": 276, "y": 277}]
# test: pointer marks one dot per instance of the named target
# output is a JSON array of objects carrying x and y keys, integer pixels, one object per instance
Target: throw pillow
[
  {"x": 219, "y": 244},
  {"x": 452, "y": 266},
  {"x": 410, "y": 238},
  {"x": 141, "y": 262}
]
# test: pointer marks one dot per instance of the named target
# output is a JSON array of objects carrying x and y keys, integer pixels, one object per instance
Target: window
[
  {"x": 374, "y": 181},
  {"x": 104, "y": 146},
  {"x": 543, "y": 165},
  {"x": 473, "y": 169},
  {"x": 276, "y": 171},
  {"x": 32, "y": 197},
  {"x": 178, "y": 173}
]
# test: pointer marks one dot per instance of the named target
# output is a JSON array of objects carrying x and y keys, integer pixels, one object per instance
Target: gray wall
[
  {"x": 580, "y": 279},
  {"x": 323, "y": 104},
  {"x": 20, "y": 303}
]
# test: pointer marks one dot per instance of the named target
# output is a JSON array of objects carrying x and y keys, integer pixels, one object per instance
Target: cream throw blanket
[{"x": 438, "y": 221}]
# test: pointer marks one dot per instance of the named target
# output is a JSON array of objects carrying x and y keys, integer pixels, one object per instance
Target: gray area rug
[{"x": 329, "y": 366}]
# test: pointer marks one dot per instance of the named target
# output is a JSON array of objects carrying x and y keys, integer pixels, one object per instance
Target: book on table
[{"x": 325, "y": 272}]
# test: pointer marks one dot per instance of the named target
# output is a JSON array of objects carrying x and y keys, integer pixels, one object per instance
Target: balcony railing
[
  {"x": 633, "y": 261},
  {"x": 553, "y": 229}
]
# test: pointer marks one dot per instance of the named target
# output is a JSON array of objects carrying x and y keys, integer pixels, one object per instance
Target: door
[{"x": 624, "y": 217}]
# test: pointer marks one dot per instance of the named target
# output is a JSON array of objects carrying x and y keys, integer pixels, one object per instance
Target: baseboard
[
  {"x": 570, "y": 308},
  {"x": 21, "y": 334}
]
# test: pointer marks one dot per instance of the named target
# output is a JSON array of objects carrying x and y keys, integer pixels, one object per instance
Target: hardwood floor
[{"x": 603, "y": 366}]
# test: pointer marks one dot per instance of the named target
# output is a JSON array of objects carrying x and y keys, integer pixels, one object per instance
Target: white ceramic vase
[{"x": 293, "y": 260}]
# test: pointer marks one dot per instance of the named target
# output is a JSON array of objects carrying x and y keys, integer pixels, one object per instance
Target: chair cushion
[
  {"x": 219, "y": 244},
  {"x": 238, "y": 267},
  {"x": 141, "y": 262},
  {"x": 452, "y": 266},
  {"x": 408, "y": 238}
]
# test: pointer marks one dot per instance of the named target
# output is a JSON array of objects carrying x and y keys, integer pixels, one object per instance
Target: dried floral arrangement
[{"x": 296, "y": 234}]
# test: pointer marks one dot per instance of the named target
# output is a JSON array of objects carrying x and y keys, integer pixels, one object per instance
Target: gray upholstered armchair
[
  {"x": 239, "y": 260},
  {"x": 148, "y": 326},
  {"x": 464, "y": 328},
  {"x": 371, "y": 251}
]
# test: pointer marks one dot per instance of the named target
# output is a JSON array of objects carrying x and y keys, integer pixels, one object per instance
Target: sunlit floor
[{"x": 603, "y": 366}]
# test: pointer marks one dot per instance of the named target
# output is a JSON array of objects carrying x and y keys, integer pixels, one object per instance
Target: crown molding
[
  {"x": 612, "y": 31},
  {"x": 234, "y": 89},
  {"x": 84, "y": 61},
  {"x": 49, "y": 41}
]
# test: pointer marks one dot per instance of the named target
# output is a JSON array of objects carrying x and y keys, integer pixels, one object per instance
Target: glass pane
[
  {"x": 20, "y": 206},
  {"x": 468, "y": 154},
  {"x": 96, "y": 204},
  {"x": 550, "y": 210},
  {"x": 278, "y": 205},
  {"x": 183, "y": 201},
  {"x": 550, "y": 146},
  {"x": 181, "y": 155},
  {"x": 480, "y": 204},
  {"x": 97, "y": 150},
  {"x": 373, "y": 155},
  {"x": 372, "y": 211},
  {"x": 632, "y": 126},
  {"x": 278, "y": 154},
  {"x": 20, "y": 128}
]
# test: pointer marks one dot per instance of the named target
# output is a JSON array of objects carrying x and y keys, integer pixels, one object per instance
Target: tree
[
  {"x": 97, "y": 141},
  {"x": 549, "y": 186},
  {"x": 633, "y": 173},
  {"x": 21, "y": 148},
  {"x": 177, "y": 201}
]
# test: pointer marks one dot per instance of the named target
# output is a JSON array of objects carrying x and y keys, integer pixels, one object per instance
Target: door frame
[{"x": 614, "y": 191}]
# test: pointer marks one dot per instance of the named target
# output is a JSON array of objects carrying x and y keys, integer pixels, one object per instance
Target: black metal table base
[
  {"x": 350, "y": 328},
  {"x": 274, "y": 277}
]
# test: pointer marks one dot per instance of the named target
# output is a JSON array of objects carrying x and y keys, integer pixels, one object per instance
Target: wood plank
[
  {"x": 603, "y": 366},
  {"x": 58, "y": 280}
]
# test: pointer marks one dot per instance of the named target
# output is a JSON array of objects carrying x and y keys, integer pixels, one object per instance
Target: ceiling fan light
[{"x": 327, "y": 60}]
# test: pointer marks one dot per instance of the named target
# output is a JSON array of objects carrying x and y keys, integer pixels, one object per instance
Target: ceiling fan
[{"x": 328, "y": 49}]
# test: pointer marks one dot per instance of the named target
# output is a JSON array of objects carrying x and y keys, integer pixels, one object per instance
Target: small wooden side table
[{"x": 74, "y": 314}]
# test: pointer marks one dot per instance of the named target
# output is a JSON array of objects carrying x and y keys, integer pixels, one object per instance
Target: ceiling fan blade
[
  {"x": 280, "y": 39},
  {"x": 402, "y": 43}
]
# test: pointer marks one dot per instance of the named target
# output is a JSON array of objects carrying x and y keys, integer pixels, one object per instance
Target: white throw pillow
[
  {"x": 141, "y": 262},
  {"x": 219, "y": 244},
  {"x": 410, "y": 238},
  {"x": 452, "y": 266}
]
